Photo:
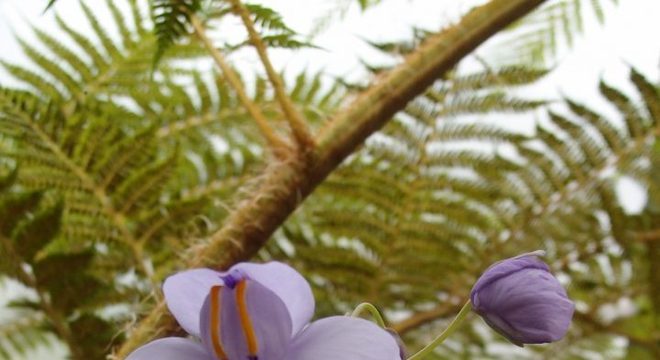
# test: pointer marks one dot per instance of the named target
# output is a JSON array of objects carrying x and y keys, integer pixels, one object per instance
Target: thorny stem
[
  {"x": 372, "y": 310},
  {"x": 445, "y": 334},
  {"x": 296, "y": 121},
  {"x": 274, "y": 141}
]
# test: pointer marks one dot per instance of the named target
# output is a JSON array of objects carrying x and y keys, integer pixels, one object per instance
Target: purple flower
[
  {"x": 523, "y": 301},
  {"x": 259, "y": 312}
]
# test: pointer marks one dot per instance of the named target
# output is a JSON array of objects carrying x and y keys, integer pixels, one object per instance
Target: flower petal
[
  {"x": 185, "y": 293},
  {"x": 170, "y": 349},
  {"x": 288, "y": 285},
  {"x": 528, "y": 307},
  {"x": 265, "y": 315},
  {"x": 507, "y": 267},
  {"x": 345, "y": 338},
  {"x": 503, "y": 328}
]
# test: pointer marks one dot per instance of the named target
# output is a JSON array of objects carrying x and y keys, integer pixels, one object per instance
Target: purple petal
[
  {"x": 528, "y": 306},
  {"x": 268, "y": 316},
  {"x": 288, "y": 285},
  {"x": 345, "y": 338},
  {"x": 185, "y": 293},
  {"x": 170, "y": 349},
  {"x": 509, "y": 266},
  {"x": 501, "y": 326}
]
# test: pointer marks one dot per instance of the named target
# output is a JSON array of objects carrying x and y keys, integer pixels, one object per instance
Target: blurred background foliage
[{"x": 117, "y": 155}]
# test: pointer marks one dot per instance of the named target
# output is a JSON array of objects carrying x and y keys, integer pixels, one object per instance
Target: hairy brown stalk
[{"x": 286, "y": 183}]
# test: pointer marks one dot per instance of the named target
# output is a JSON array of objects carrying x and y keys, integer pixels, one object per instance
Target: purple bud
[{"x": 523, "y": 301}]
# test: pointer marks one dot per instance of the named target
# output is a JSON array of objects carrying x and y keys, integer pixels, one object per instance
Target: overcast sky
[{"x": 629, "y": 37}]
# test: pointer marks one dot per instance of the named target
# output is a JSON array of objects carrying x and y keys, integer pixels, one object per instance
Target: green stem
[
  {"x": 445, "y": 334},
  {"x": 372, "y": 310}
]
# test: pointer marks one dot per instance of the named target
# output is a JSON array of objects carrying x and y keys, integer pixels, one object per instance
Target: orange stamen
[
  {"x": 248, "y": 330},
  {"x": 215, "y": 323}
]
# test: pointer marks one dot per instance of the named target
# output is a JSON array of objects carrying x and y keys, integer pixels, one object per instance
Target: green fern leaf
[
  {"x": 30, "y": 236},
  {"x": 170, "y": 19},
  {"x": 94, "y": 334},
  {"x": 268, "y": 19},
  {"x": 21, "y": 334},
  {"x": 14, "y": 207},
  {"x": 650, "y": 93},
  {"x": 536, "y": 39},
  {"x": 634, "y": 120}
]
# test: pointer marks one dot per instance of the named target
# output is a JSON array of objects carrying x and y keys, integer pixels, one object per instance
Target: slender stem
[
  {"x": 296, "y": 121},
  {"x": 274, "y": 141},
  {"x": 445, "y": 334},
  {"x": 372, "y": 310}
]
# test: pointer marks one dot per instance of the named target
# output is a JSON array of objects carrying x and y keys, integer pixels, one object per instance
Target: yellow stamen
[
  {"x": 215, "y": 323},
  {"x": 248, "y": 330}
]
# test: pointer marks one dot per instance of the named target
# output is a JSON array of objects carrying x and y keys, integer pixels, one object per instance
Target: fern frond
[
  {"x": 109, "y": 46},
  {"x": 540, "y": 37},
  {"x": 268, "y": 19},
  {"x": 649, "y": 93},
  {"x": 56, "y": 155},
  {"x": 490, "y": 103},
  {"x": 171, "y": 18},
  {"x": 634, "y": 120},
  {"x": 28, "y": 229},
  {"x": 21, "y": 334}
]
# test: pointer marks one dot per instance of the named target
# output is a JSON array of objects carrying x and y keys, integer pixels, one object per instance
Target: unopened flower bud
[{"x": 523, "y": 301}]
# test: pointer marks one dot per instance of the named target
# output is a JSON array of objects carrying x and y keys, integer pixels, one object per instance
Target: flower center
[
  {"x": 232, "y": 278},
  {"x": 237, "y": 281}
]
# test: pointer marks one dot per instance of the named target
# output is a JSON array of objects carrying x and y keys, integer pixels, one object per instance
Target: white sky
[{"x": 629, "y": 37}]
